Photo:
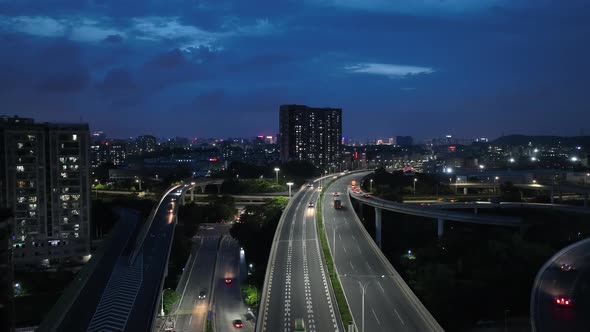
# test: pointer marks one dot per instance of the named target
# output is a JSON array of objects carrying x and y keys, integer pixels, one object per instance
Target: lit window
[
  {"x": 74, "y": 137},
  {"x": 32, "y": 206},
  {"x": 75, "y": 212},
  {"x": 21, "y": 199},
  {"x": 20, "y": 145},
  {"x": 20, "y": 168},
  {"x": 64, "y": 174}
]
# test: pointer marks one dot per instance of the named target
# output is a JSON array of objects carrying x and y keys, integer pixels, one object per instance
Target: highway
[
  {"x": 227, "y": 298},
  {"x": 296, "y": 283},
  {"x": 551, "y": 282},
  {"x": 191, "y": 312},
  {"x": 390, "y": 304},
  {"x": 153, "y": 260}
]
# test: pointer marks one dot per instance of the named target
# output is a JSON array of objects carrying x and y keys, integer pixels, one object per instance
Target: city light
[
  {"x": 512, "y": 160},
  {"x": 574, "y": 159}
]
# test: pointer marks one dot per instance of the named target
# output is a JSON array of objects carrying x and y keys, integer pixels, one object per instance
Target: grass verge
[{"x": 338, "y": 292}]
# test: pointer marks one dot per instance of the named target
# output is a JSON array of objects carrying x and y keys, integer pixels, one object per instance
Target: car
[
  {"x": 564, "y": 301},
  {"x": 299, "y": 325},
  {"x": 367, "y": 196},
  {"x": 310, "y": 205},
  {"x": 202, "y": 295},
  {"x": 566, "y": 267},
  {"x": 228, "y": 280},
  {"x": 238, "y": 324},
  {"x": 336, "y": 194}
]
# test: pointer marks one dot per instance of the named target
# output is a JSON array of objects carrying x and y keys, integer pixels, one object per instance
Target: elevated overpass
[{"x": 428, "y": 212}]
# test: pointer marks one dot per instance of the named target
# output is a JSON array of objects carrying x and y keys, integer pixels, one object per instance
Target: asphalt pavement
[
  {"x": 297, "y": 284},
  {"x": 553, "y": 282},
  {"x": 191, "y": 312},
  {"x": 389, "y": 304},
  {"x": 228, "y": 302}
]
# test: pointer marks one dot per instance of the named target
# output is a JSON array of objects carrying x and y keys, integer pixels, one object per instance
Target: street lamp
[
  {"x": 415, "y": 180},
  {"x": 371, "y": 186},
  {"x": 277, "y": 173},
  {"x": 586, "y": 178},
  {"x": 289, "y": 184},
  {"x": 138, "y": 181},
  {"x": 364, "y": 291}
]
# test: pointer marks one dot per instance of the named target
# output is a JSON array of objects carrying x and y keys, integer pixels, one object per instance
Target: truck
[{"x": 337, "y": 202}]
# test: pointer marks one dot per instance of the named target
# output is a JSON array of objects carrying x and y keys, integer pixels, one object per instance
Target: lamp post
[
  {"x": 364, "y": 286},
  {"x": 415, "y": 180},
  {"x": 586, "y": 178},
  {"x": 289, "y": 184},
  {"x": 277, "y": 173},
  {"x": 371, "y": 185},
  {"x": 139, "y": 182}
]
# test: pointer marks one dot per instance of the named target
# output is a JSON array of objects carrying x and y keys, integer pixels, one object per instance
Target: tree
[{"x": 170, "y": 297}]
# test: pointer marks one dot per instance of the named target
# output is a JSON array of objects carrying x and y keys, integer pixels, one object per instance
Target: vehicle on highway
[
  {"x": 202, "y": 295},
  {"x": 564, "y": 301},
  {"x": 299, "y": 325},
  {"x": 228, "y": 280},
  {"x": 238, "y": 324},
  {"x": 310, "y": 205},
  {"x": 310, "y": 185},
  {"x": 367, "y": 196},
  {"x": 337, "y": 203},
  {"x": 171, "y": 207},
  {"x": 566, "y": 267},
  {"x": 336, "y": 194}
]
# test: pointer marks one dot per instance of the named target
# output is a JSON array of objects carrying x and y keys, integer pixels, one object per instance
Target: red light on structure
[
  {"x": 452, "y": 148},
  {"x": 212, "y": 159},
  {"x": 356, "y": 155}
]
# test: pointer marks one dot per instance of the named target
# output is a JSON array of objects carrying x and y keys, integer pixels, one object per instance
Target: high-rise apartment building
[
  {"x": 44, "y": 182},
  {"x": 311, "y": 134},
  {"x": 145, "y": 144}
]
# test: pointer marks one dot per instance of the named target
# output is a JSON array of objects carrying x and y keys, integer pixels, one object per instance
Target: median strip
[{"x": 338, "y": 292}]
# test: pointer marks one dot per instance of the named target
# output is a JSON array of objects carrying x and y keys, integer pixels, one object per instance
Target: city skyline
[{"x": 147, "y": 67}]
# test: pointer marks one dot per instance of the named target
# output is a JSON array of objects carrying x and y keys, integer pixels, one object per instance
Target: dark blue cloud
[{"x": 422, "y": 68}]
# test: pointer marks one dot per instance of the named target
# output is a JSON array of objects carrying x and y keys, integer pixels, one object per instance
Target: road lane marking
[
  {"x": 374, "y": 314},
  {"x": 398, "y": 316},
  {"x": 352, "y": 266}
]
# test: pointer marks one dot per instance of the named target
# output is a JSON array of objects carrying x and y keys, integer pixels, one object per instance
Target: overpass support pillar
[
  {"x": 551, "y": 196},
  {"x": 378, "y": 215},
  {"x": 193, "y": 194},
  {"x": 440, "y": 228},
  {"x": 465, "y": 191},
  {"x": 182, "y": 200},
  {"x": 586, "y": 200},
  {"x": 219, "y": 188},
  {"x": 475, "y": 210},
  {"x": 361, "y": 215}
]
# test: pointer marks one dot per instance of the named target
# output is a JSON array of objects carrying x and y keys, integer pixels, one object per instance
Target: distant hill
[{"x": 542, "y": 140}]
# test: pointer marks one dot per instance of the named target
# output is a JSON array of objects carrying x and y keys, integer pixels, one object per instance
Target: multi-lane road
[
  {"x": 553, "y": 282},
  {"x": 228, "y": 303},
  {"x": 389, "y": 303},
  {"x": 296, "y": 285},
  {"x": 191, "y": 311}
]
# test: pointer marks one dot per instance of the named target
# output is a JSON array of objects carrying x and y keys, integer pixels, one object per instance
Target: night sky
[{"x": 217, "y": 68}]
